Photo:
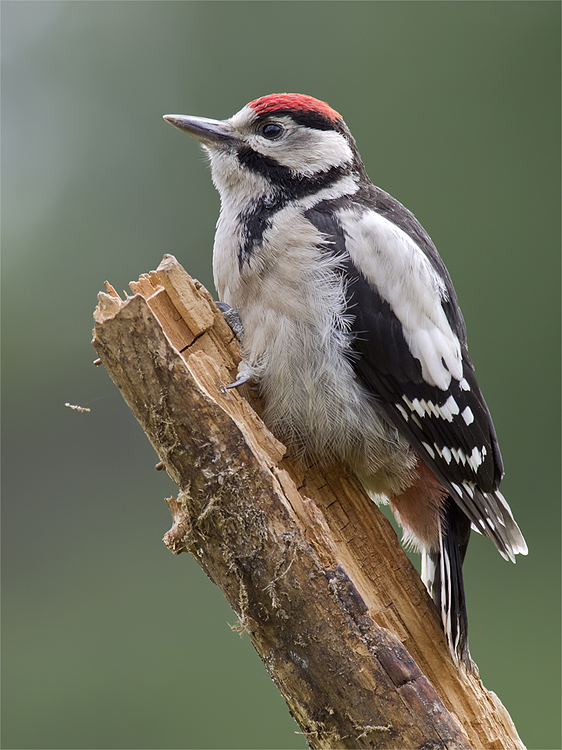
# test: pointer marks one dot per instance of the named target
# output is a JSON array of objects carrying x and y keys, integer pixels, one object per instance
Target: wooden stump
[{"x": 311, "y": 567}]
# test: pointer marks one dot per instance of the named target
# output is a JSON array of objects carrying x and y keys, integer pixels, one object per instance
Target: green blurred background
[{"x": 108, "y": 640}]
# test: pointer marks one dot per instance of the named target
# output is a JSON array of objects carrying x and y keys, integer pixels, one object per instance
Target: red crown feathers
[{"x": 293, "y": 103}]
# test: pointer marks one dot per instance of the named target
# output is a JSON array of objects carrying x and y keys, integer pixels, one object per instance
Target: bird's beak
[{"x": 209, "y": 132}]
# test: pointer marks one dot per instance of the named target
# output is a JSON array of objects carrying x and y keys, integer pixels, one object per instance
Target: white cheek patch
[
  {"x": 305, "y": 151},
  {"x": 404, "y": 277}
]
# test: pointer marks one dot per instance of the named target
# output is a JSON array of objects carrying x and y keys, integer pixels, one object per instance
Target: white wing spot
[
  {"x": 432, "y": 409},
  {"x": 502, "y": 500},
  {"x": 476, "y": 458},
  {"x": 458, "y": 455},
  {"x": 469, "y": 488},
  {"x": 402, "y": 411},
  {"x": 408, "y": 403},
  {"x": 429, "y": 449},
  {"x": 468, "y": 416},
  {"x": 464, "y": 385},
  {"x": 449, "y": 409},
  {"x": 418, "y": 407},
  {"x": 416, "y": 421}
]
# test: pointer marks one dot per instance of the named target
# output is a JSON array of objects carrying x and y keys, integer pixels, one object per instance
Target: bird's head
[{"x": 280, "y": 143}]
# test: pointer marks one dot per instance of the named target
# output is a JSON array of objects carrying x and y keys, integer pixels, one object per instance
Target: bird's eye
[{"x": 272, "y": 130}]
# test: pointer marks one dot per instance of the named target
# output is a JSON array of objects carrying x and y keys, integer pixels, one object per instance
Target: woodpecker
[{"x": 353, "y": 333}]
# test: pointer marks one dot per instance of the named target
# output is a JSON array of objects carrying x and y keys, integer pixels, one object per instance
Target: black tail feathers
[{"x": 447, "y": 587}]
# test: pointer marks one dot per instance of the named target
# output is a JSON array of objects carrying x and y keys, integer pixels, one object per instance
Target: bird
[{"x": 353, "y": 334}]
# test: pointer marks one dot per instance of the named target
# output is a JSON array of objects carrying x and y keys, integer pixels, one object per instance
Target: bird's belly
[{"x": 317, "y": 407}]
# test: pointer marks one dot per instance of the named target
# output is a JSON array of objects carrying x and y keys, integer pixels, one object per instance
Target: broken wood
[{"x": 313, "y": 570}]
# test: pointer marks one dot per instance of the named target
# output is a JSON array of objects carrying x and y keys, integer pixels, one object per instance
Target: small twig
[{"x": 77, "y": 408}]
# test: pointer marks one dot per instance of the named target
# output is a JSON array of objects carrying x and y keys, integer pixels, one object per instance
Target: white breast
[{"x": 291, "y": 300}]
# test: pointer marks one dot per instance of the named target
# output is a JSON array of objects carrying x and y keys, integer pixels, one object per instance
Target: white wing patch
[{"x": 400, "y": 272}]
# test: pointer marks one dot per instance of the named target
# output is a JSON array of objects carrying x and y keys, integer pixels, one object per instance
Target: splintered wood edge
[
  {"x": 211, "y": 355},
  {"x": 195, "y": 327}
]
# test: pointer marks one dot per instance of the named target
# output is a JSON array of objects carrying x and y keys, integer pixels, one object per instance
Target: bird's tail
[{"x": 442, "y": 574}]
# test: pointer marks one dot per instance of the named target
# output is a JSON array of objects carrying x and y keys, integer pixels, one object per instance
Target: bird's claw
[
  {"x": 232, "y": 319},
  {"x": 240, "y": 380},
  {"x": 235, "y": 324}
]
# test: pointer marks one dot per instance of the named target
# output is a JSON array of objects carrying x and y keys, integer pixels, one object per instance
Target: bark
[{"x": 312, "y": 569}]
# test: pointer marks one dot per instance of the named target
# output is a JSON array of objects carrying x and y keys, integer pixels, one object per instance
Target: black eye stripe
[{"x": 285, "y": 178}]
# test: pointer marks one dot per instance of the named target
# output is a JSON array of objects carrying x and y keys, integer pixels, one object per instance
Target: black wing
[{"x": 451, "y": 429}]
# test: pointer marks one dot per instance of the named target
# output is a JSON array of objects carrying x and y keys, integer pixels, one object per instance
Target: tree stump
[{"x": 313, "y": 570}]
